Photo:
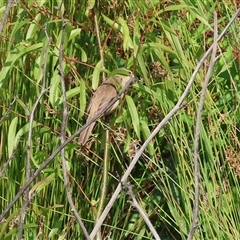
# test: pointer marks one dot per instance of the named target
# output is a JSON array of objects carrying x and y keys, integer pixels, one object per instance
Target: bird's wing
[{"x": 104, "y": 94}]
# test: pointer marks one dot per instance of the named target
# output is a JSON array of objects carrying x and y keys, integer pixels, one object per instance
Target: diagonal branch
[
  {"x": 156, "y": 130},
  {"x": 54, "y": 154}
]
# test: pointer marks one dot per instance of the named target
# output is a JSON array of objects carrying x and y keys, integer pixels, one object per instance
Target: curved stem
[{"x": 104, "y": 183}]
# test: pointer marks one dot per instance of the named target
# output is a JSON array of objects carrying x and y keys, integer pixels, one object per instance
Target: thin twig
[
  {"x": 29, "y": 141},
  {"x": 197, "y": 133},
  {"x": 156, "y": 130},
  {"x": 63, "y": 130},
  {"x": 104, "y": 182},
  {"x": 5, "y": 165},
  {"x": 135, "y": 204},
  {"x": 6, "y": 13},
  {"x": 8, "y": 109}
]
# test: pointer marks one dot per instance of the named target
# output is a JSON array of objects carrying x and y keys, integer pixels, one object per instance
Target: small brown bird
[{"x": 104, "y": 94}]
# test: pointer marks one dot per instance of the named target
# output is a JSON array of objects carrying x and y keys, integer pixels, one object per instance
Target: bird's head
[{"x": 122, "y": 76}]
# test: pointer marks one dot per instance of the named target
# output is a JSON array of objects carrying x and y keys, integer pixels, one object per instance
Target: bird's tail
[{"x": 84, "y": 135}]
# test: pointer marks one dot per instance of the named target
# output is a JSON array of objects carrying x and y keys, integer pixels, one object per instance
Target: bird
[{"x": 102, "y": 97}]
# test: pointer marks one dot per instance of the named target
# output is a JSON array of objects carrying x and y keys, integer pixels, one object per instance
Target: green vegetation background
[{"x": 161, "y": 41}]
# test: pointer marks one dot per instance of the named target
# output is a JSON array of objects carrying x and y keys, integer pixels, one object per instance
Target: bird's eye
[{"x": 130, "y": 72}]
